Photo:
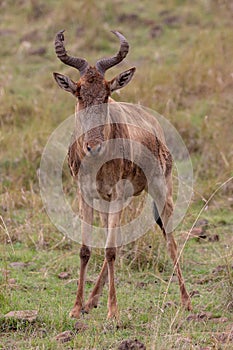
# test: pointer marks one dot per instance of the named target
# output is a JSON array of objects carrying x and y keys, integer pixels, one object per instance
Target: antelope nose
[{"x": 93, "y": 150}]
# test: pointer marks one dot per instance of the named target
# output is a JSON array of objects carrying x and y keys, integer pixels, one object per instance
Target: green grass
[
  {"x": 142, "y": 293},
  {"x": 184, "y": 73}
]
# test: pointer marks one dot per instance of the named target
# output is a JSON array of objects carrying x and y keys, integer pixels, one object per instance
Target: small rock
[
  {"x": 204, "y": 280},
  {"x": 219, "y": 319},
  {"x": 12, "y": 281},
  {"x": 169, "y": 304},
  {"x": 191, "y": 317},
  {"x": 205, "y": 315},
  {"x": 129, "y": 18},
  {"x": 198, "y": 232},
  {"x": 131, "y": 345},
  {"x": 23, "y": 315},
  {"x": 140, "y": 284},
  {"x": 80, "y": 327},
  {"x": 65, "y": 336},
  {"x": 194, "y": 293},
  {"x": 64, "y": 275},
  {"x": 156, "y": 31},
  {"x": 18, "y": 264},
  {"x": 213, "y": 238},
  {"x": 200, "y": 317}
]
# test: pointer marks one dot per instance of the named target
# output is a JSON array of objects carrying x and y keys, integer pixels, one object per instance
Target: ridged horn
[
  {"x": 105, "y": 63},
  {"x": 76, "y": 62}
]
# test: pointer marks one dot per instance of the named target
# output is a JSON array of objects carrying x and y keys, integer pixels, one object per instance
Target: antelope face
[{"x": 92, "y": 92}]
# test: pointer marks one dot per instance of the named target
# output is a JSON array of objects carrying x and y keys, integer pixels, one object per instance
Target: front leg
[
  {"x": 85, "y": 253},
  {"x": 112, "y": 299},
  {"x": 110, "y": 254},
  {"x": 97, "y": 290},
  {"x": 99, "y": 285}
]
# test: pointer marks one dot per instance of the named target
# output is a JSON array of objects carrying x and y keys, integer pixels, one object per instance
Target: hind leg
[
  {"x": 172, "y": 249},
  {"x": 164, "y": 220},
  {"x": 85, "y": 253}
]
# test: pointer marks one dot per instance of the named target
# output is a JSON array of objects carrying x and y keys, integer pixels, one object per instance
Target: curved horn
[
  {"x": 76, "y": 62},
  {"x": 105, "y": 63}
]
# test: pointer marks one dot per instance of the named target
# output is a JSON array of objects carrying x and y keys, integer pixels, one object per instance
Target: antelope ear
[
  {"x": 122, "y": 79},
  {"x": 65, "y": 83}
]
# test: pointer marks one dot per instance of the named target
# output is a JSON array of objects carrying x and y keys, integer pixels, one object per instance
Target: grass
[
  {"x": 142, "y": 289},
  {"x": 183, "y": 54}
]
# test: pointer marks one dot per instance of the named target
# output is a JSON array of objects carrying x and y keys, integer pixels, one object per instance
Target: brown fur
[{"x": 124, "y": 122}]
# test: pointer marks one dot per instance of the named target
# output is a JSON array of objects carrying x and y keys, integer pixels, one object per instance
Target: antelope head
[{"x": 92, "y": 91}]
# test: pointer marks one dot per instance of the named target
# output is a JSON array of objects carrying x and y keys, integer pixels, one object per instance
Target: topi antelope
[{"x": 92, "y": 93}]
